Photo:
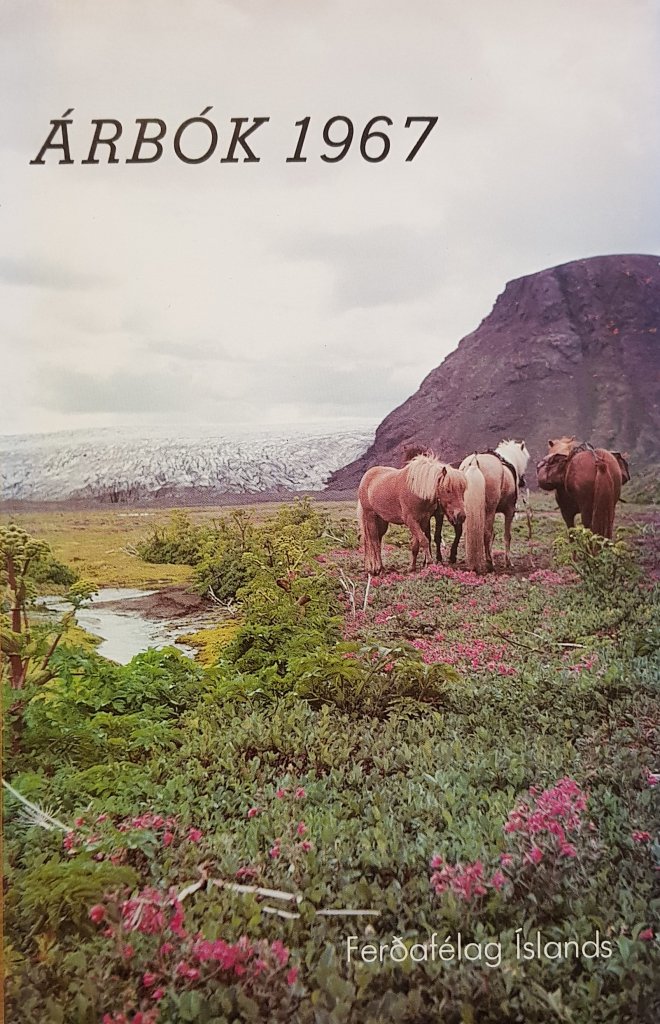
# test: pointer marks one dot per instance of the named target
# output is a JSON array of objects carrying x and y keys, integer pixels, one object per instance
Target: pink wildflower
[
  {"x": 646, "y": 935},
  {"x": 280, "y": 952},
  {"x": 184, "y": 970},
  {"x": 246, "y": 872},
  {"x": 176, "y": 921},
  {"x": 158, "y": 994},
  {"x": 306, "y": 846},
  {"x": 97, "y": 913},
  {"x": 195, "y": 834},
  {"x": 299, "y": 793},
  {"x": 167, "y": 838},
  {"x": 292, "y": 976},
  {"x": 281, "y": 793},
  {"x": 301, "y": 828},
  {"x": 641, "y": 837},
  {"x": 149, "y": 979},
  {"x": 535, "y": 855},
  {"x": 252, "y": 813},
  {"x": 498, "y": 881}
]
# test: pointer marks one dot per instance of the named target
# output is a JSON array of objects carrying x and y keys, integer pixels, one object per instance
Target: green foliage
[
  {"x": 374, "y": 682},
  {"x": 48, "y": 570},
  {"x": 28, "y": 648},
  {"x": 57, "y": 894},
  {"x": 179, "y": 542},
  {"x": 608, "y": 569},
  {"x": 320, "y": 727}
]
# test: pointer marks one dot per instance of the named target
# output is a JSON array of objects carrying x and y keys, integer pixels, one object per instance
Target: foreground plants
[{"x": 442, "y": 754}]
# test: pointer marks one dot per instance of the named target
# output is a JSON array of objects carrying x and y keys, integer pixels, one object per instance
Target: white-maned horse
[{"x": 502, "y": 475}]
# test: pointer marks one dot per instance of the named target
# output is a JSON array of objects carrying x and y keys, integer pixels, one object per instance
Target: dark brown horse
[
  {"x": 586, "y": 480},
  {"x": 407, "y": 497}
]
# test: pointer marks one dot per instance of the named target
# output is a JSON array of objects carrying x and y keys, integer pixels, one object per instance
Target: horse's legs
[
  {"x": 438, "y": 536},
  {"x": 458, "y": 533},
  {"x": 568, "y": 508},
  {"x": 372, "y": 536},
  {"x": 427, "y": 531},
  {"x": 414, "y": 551},
  {"x": 489, "y": 531},
  {"x": 420, "y": 539},
  {"x": 508, "y": 519}
]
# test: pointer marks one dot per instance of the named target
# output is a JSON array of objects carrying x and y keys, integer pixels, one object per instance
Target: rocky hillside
[{"x": 570, "y": 350}]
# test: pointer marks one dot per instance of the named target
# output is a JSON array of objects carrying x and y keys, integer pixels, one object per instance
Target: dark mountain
[{"x": 570, "y": 350}]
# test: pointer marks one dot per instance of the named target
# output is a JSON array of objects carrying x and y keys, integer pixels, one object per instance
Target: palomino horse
[
  {"x": 407, "y": 497},
  {"x": 501, "y": 473},
  {"x": 585, "y": 480}
]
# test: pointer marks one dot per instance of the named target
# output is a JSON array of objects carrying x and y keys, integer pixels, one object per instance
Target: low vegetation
[{"x": 353, "y": 777}]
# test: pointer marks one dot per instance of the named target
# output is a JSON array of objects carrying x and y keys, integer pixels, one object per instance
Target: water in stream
[{"x": 125, "y": 634}]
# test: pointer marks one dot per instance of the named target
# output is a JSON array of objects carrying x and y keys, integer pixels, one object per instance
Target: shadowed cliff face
[{"x": 570, "y": 350}]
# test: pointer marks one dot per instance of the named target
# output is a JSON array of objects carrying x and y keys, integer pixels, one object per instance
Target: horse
[
  {"x": 586, "y": 480},
  {"x": 407, "y": 497},
  {"x": 502, "y": 473},
  {"x": 409, "y": 453}
]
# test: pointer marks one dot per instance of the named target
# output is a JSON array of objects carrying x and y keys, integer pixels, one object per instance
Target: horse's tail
[
  {"x": 602, "y": 519},
  {"x": 475, "y": 517}
]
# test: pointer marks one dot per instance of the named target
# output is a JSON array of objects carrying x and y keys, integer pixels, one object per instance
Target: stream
[{"x": 127, "y": 633}]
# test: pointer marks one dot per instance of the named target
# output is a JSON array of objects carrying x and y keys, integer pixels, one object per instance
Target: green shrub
[
  {"x": 608, "y": 569},
  {"x": 177, "y": 543}
]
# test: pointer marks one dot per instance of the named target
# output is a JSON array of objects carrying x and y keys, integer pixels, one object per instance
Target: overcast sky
[{"x": 277, "y": 293}]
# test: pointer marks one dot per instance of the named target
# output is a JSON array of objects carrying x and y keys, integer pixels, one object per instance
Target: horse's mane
[
  {"x": 515, "y": 454},
  {"x": 423, "y": 474}
]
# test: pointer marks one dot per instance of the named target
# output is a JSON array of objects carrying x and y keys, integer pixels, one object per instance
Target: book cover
[{"x": 329, "y": 454}]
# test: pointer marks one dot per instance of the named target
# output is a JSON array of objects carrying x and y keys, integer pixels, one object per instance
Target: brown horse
[
  {"x": 585, "y": 480},
  {"x": 407, "y": 497},
  {"x": 410, "y": 452},
  {"x": 502, "y": 472}
]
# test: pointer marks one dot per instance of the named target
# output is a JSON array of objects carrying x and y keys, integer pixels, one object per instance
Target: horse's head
[
  {"x": 411, "y": 451},
  {"x": 562, "y": 446},
  {"x": 623, "y": 466},
  {"x": 551, "y": 470},
  {"x": 451, "y": 494}
]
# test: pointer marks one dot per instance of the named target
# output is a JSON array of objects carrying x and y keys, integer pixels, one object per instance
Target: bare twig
[
  {"x": 230, "y": 606},
  {"x": 257, "y": 890},
  {"x": 516, "y": 643},
  {"x": 366, "y": 593},
  {"x": 277, "y": 894},
  {"x": 36, "y": 815}
]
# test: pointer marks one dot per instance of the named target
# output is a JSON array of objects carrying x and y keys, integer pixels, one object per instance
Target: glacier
[{"x": 123, "y": 464}]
